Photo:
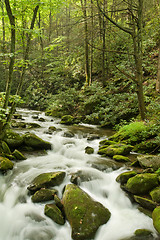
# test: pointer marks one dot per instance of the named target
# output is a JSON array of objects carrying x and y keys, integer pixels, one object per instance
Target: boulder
[
  {"x": 45, "y": 180},
  {"x": 4, "y": 148},
  {"x": 52, "y": 128},
  {"x": 123, "y": 177},
  {"x": 89, "y": 150},
  {"x": 13, "y": 139},
  {"x": 41, "y": 119},
  {"x": 53, "y": 212},
  {"x": 149, "y": 161},
  {"x": 17, "y": 116},
  {"x": 116, "y": 149},
  {"x": 83, "y": 213},
  {"x": 67, "y": 120},
  {"x": 18, "y": 155},
  {"x": 68, "y": 134},
  {"x": 155, "y": 194},
  {"x": 31, "y": 140},
  {"x": 44, "y": 195},
  {"x": 93, "y": 137},
  {"x": 5, "y": 164},
  {"x": 142, "y": 183},
  {"x": 156, "y": 218},
  {"x": 33, "y": 125},
  {"x": 15, "y": 124},
  {"x": 120, "y": 158},
  {"x": 106, "y": 164},
  {"x": 106, "y": 142},
  {"x": 145, "y": 202}
]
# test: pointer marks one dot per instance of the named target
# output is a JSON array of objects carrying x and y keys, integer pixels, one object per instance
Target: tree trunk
[
  {"x": 87, "y": 71},
  {"x": 158, "y": 73},
  {"x": 92, "y": 34},
  {"x": 12, "y": 52}
]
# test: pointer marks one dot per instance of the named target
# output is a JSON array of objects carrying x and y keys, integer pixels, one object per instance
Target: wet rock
[
  {"x": 83, "y": 176},
  {"x": 68, "y": 134},
  {"x": 41, "y": 119},
  {"x": 155, "y": 194},
  {"x": 33, "y": 125},
  {"x": 156, "y": 218},
  {"x": 18, "y": 155},
  {"x": 120, "y": 158},
  {"x": 93, "y": 137},
  {"x": 67, "y": 120},
  {"x": 149, "y": 161},
  {"x": 13, "y": 139},
  {"x": 142, "y": 183},
  {"x": 44, "y": 195},
  {"x": 15, "y": 124},
  {"x": 53, "y": 212},
  {"x": 5, "y": 164},
  {"x": 17, "y": 116},
  {"x": 83, "y": 213},
  {"x": 31, "y": 140},
  {"x": 89, "y": 150},
  {"x": 107, "y": 142},
  {"x": 35, "y": 116},
  {"x": 123, "y": 177},
  {"x": 45, "y": 180},
  {"x": 115, "y": 149},
  {"x": 106, "y": 164},
  {"x": 145, "y": 202},
  {"x": 143, "y": 233},
  {"x": 4, "y": 148}
]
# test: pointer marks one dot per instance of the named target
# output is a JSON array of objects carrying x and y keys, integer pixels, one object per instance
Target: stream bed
[{"x": 21, "y": 219}]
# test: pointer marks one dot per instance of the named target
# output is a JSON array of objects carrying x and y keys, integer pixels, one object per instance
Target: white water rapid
[{"x": 20, "y": 219}]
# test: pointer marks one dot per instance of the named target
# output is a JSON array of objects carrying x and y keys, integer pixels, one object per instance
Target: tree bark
[
  {"x": 158, "y": 73},
  {"x": 12, "y": 52}
]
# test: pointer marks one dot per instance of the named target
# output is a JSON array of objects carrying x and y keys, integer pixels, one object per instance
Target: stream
[{"x": 20, "y": 219}]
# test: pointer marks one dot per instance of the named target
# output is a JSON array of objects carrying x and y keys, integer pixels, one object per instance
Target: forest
[{"x": 95, "y": 61}]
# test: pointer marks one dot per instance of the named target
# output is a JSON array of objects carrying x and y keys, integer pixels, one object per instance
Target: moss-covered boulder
[
  {"x": 15, "y": 124},
  {"x": 4, "y": 148},
  {"x": 120, "y": 158},
  {"x": 67, "y": 120},
  {"x": 142, "y": 183},
  {"x": 142, "y": 233},
  {"x": 52, "y": 129},
  {"x": 44, "y": 195},
  {"x": 123, "y": 177},
  {"x": 156, "y": 218},
  {"x": 89, "y": 150},
  {"x": 83, "y": 213},
  {"x": 116, "y": 149},
  {"x": 155, "y": 194},
  {"x": 107, "y": 142},
  {"x": 13, "y": 139},
  {"x": 31, "y": 140},
  {"x": 33, "y": 125},
  {"x": 145, "y": 202},
  {"x": 18, "y": 155},
  {"x": 5, "y": 164},
  {"x": 45, "y": 180},
  {"x": 53, "y": 212},
  {"x": 149, "y": 161}
]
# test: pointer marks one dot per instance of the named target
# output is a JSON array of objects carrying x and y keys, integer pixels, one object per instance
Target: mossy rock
[
  {"x": 41, "y": 119},
  {"x": 83, "y": 213},
  {"x": 143, "y": 233},
  {"x": 33, "y": 125},
  {"x": 155, "y": 194},
  {"x": 120, "y": 158},
  {"x": 13, "y": 139},
  {"x": 106, "y": 164},
  {"x": 5, "y": 164},
  {"x": 31, "y": 140},
  {"x": 45, "y": 180},
  {"x": 18, "y": 155},
  {"x": 93, "y": 137},
  {"x": 147, "y": 146},
  {"x": 52, "y": 128},
  {"x": 123, "y": 177},
  {"x": 145, "y": 202},
  {"x": 4, "y": 148},
  {"x": 53, "y": 212},
  {"x": 17, "y": 116},
  {"x": 67, "y": 120},
  {"x": 44, "y": 195},
  {"x": 15, "y": 124},
  {"x": 142, "y": 183},
  {"x": 156, "y": 218},
  {"x": 68, "y": 134},
  {"x": 89, "y": 150},
  {"x": 107, "y": 142},
  {"x": 116, "y": 149},
  {"x": 149, "y": 161}
]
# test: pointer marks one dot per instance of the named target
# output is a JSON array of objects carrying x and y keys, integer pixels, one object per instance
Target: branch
[
  {"x": 127, "y": 30},
  {"x": 126, "y": 74}
]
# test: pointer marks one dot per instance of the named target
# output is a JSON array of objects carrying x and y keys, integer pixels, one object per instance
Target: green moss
[
  {"x": 121, "y": 158},
  {"x": 5, "y": 164},
  {"x": 142, "y": 183},
  {"x": 18, "y": 155},
  {"x": 115, "y": 149},
  {"x": 155, "y": 194},
  {"x": 53, "y": 212},
  {"x": 156, "y": 218},
  {"x": 31, "y": 140},
  {"x": 89, "y": 150},
  {"x": 67, "y": 120},
  {"x": 123, "y": 177},
  {"x": 44, "y": 195}
]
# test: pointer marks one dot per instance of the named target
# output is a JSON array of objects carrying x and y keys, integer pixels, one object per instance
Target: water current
[{"x": 20, "y": 219}]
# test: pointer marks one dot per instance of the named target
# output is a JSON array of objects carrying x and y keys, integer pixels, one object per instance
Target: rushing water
[{"x": 20, "y": 219}]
